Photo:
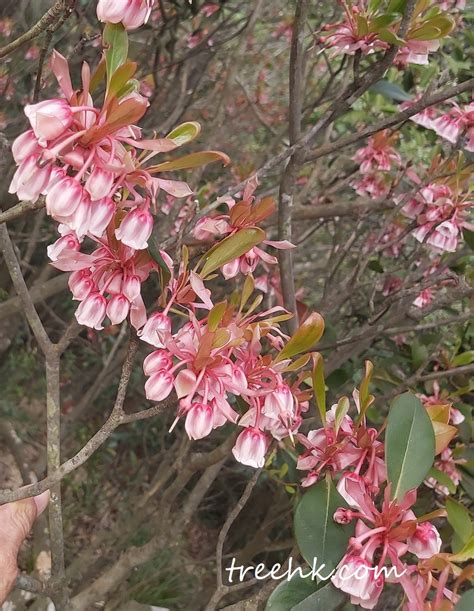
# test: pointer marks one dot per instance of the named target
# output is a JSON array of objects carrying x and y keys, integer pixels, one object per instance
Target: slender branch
[
  {"x": 287, "y": 183},
  {"x": 40, "y": 26}
]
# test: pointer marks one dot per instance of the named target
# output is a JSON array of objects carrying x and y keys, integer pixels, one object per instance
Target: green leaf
[
  {"x": 304, "y": 337},
  {"x": 290, "y": 593},
  {"x": 391, "y": 38},
  {"x": 328, "y": 598},
  {"x": 319, "y": 386},
  {"x": 409, "y": 444},
  {"x": 341, "y": 411},
  {"x": 184, "y": 133},
  {"x": 458, "y": 517},
  {"x": 466, "y": 603},
  {"x": 116, "y": 40},
  {"x": 215, "y": 315},
  {"x": 467, "y": 552},
  {"x": 469, "y": 237},
  {"x": 391, "y": 91},
  {"x": 317, "y": 534},
  {"x": 193, "y": 160},
  {"x": 463, "y": 359},
  {"x": 231, "y": 248}
]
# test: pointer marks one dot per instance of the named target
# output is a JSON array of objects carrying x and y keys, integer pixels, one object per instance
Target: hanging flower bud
[
  {"x": 199, "y": 421},
  {"x": 30, "y": 180},
  {"x": 251, "y": 447},
  {"x": 425, "y": 542},
  {"x": 64, "y": 197},
  {"x": 91, "y": 312},
  {"x": 155, "y": 327},
  {"x": 66, "y": 242},
  {"x": 25, "y": 145},
  {"x": 49, "y": 119},
  {"x": 99, "y": 183},
  {"x": 132, "y": 13},
  {"x": 159, "y": 359},
  {"x": 131, "y": 287},
  {"x": 135, "y": 229},
  {"x": 118, "y": 308},
  {"x": 102, "y": 211},
  {"x": 81, "y": 284},
  {"x": 159, "y": 385}
]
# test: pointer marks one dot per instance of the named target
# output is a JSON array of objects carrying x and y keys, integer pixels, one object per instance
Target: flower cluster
[
  {"x": 220, "y": 365},
  {"x": 369, "y": 27}
]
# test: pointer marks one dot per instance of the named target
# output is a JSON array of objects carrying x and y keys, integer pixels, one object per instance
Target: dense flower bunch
[
  {"x": 369, "y": 27},
  {"x": 388, "y": 535}
]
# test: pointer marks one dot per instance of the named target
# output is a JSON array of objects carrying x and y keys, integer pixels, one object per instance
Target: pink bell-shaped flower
[
  {"x": 199, "y": 421},
  {"x": 118, "y": 309},
  {"x": 99, "y": 183},
  {"x": 64, "y": 197},
  {"x": 131, "y": 287},
  {"x": 30, "y": 180},
  {"x": 251, "y": 447},
  {"x": 135, "y": 229},
  {"x": 102, "y": 211},
  {"x": 49, "y": 119},
  {"x": 91, "y": 311},
  {"x": 132, "y": 13},
  {"x": 25, "y": 145},
  {"x": 155, "y": 327},
  {"x": 81, "y": 284},
  {"x": 159, "y": 385},
  {"x": 159, "y": 359},
  {"x": 425, "y": 541},
  {"x": 66, "y": 242}
]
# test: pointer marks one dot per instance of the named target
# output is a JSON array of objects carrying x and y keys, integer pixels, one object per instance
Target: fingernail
[{"x": 41, "y": 501}]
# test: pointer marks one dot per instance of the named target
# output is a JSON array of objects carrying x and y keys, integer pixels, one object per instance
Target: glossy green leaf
[
  {"x": 289, "y": 593},
  {"x": 215, "y": 315},
  {"x": 184, "y": 133},
  {"x": 319, "y": 386},
  {"x": 458, "y": 517},
  {"x": 409, "y": 444},
  {"x": 391, "y": 91},
  {"x": 116, "y": 42},
  {"x": 466, "y": 603},
  {"x": 467, "y": 552},
  {"x": 465, "y": 358},
  {"x": 328, "y": 598},
  {"x": 304, "y": 337},
  {"x": 390, "y": 37},
  {"x": 231, "y": 248},
  {"x": 317, "y": 534}
]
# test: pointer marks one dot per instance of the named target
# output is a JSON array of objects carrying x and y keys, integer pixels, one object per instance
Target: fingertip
[{"x": 41, "y": 502}]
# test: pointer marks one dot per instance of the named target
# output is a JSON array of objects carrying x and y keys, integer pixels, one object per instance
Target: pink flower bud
[
  {"x": 155, "y": 327},
  {"x": 67, "y": 242},
  {"x": 64, "y": 197},
  {"x": 159, "y": 359},
  {"x": 49, "y": 119},
  {"x": 118, "y": 308},
  {"x": 135, "y": 229},
  {"x": 279, "y": 403},
  {"x": 81, "y": 284},
  {"x": 25, "y": 145},
  {"x": 131, "y": 287},
  {"x": 113, "y": 282},
  {"x": 99, "y": 183},
  {"x": 102, "y": 211},
  {"x": 425, "y": 541},
  {"x": 132, "y": 13},
  {"x": 159, "y": 385},
  {"x": 57, "y": 174},
  {"x": 91, "y": 311},
  {"x": 199, "y": 421},
  {"x": 343, "y": 516},
  {"x": 251, "y": 447},
  {"x": 30, "y": 180},
  {"x": 80, "y": 218}
]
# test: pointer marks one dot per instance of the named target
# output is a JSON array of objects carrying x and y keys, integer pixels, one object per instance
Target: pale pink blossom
[
  {"x": 155, "y": 329},
  {"x": 159, "y": 385},
  {"x": 91, "y": 312},
  {"x": 118, "y": 308},
  {"x": 199, "y": 420},
  {"x": 49, "y": 119},
  {"x": 425, "y": 542},
  {"x": 132, "y": 13},
  {"x": 30, "y": 179},
  {"x": 251, "y": 447},
  {"x": 135, "y": 229}
]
